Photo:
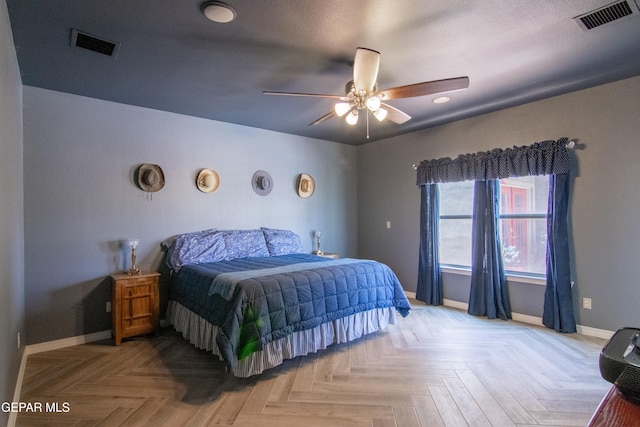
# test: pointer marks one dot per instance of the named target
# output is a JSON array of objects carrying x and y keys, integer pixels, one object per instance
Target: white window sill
[{"x": 510, "y": 276}]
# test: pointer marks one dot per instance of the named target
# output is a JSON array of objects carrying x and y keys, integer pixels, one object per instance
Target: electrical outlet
[
  {"x": 108, "y": 306},
  {"x": 18, "y": 340},
  {"x": 388, "y": 224},
  {"x": 586, "y": 303}
]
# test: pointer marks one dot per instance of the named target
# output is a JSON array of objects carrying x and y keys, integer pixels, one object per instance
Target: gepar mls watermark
[{"x": 55, "y": 407}]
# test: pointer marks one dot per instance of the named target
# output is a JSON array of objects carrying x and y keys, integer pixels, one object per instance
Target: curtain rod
[{"x": 569, "y": 145}]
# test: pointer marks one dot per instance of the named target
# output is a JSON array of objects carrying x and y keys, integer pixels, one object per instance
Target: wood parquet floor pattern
[{"x": 437, "y": 367}]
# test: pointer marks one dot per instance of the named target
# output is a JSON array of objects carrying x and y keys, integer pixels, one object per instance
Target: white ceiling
[{"x": 172, "y": 58}]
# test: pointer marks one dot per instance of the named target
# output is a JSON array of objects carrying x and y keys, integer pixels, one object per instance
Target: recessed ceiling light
[
  {"x": 441, "y": 100},
  {"x": 219, "y": 12}
]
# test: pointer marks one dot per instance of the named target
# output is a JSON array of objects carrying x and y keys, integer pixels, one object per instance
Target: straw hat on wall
[
  {"x": 150, "y": 177},
  {"x": 207, "y": 181},
  {"x": 306, "y": 185}
]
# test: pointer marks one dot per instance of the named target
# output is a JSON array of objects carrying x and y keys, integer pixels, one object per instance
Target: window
[
  {"x": 456, "y": 207},
  {"x": 523, "y": 224}
]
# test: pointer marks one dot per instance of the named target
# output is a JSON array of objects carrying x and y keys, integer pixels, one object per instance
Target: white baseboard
[
  {"x": 455, "y": 304},
  {"x": 13, "y": 416},
  {"x": 526, "y": 318},
  {"x": 595, "y": 332},
  {"x": 66, "y": 342}
]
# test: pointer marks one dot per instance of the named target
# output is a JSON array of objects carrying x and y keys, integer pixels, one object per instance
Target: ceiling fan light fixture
[
  {"x": 352, "y": 117},
  {"x": 380, "y": 114},
  {"x": 342, "y": 108},
  {"x": 373, "y": 103},
  {"x": 217, "y": 11}
]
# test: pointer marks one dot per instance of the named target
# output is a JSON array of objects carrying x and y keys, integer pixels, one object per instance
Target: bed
[{"x": 254, "y": 299}]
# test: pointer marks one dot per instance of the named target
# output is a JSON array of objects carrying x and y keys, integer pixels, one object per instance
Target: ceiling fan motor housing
[{"x": 359, "y": 98}]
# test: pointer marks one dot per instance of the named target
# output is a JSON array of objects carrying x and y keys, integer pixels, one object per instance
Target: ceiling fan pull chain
[{"x": 367, "y": 122}]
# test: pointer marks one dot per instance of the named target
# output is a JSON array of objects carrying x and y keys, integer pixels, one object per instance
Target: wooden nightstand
[{"x": 135, "y": 304}]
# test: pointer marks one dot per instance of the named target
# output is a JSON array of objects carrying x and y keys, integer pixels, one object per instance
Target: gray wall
[
  {"x": 604, "y": 207},
  {"x": 80, "y": 155},
  {"x": 11, "y": 212}
]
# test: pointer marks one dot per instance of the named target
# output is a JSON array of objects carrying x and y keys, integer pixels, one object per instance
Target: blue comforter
[{"x": 257, "y": 300}]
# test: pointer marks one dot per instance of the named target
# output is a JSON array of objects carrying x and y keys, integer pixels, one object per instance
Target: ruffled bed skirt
[{"x": 202, "y": 334}]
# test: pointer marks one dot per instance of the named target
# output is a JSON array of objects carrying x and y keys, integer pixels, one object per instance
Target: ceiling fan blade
[
  {"x": 425, "y": 88},
  {"x": 365, "y": 68},
  {"x": 395, "y": 115},
  {"x": 323, "y": 118},
  {"x": 317, "y": 95}
]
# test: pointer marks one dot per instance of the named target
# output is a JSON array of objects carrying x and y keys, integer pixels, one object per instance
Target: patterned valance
[{"x": 540, "y": 158}]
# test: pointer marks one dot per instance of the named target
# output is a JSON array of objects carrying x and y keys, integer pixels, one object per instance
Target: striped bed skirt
[{"x": 202, "y": 334}]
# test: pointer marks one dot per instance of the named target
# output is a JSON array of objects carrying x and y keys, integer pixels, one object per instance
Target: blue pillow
[
  {"x": 282, "y": 242},
  {"x": 245, "y": 243},
  {"x": 195, "y": 248}
]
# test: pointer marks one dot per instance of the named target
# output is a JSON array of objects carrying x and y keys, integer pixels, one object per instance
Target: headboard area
[{"x": 219, "y": 245}]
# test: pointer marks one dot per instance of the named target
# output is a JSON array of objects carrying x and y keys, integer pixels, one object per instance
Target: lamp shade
[
  {"x": 352, "y": 117},
  {"x": 380, "y": 114},
  {"x": 342, "y": 108},
  {"x": 373, "y": 103}
]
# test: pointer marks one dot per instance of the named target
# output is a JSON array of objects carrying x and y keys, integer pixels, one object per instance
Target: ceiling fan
[{"x": 362, "y": 94}]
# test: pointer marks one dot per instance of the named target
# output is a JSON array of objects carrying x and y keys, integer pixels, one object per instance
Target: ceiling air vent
[
  {"x": 609, "y": 13},
  {"x": 87, "y": 41}
]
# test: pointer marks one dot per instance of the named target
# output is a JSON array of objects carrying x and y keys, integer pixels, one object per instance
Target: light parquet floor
[{"x": 437, "y": 367}]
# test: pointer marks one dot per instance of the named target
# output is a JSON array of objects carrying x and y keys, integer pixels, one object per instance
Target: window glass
[
  {"x": 456, "y": 199},
  {"x": 522, "y": 222},
  {"x": 455, "y": 242}
]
